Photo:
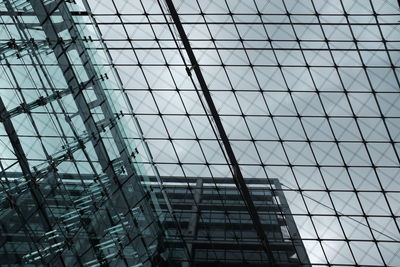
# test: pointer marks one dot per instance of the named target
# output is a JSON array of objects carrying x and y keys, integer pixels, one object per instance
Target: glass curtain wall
[
  {"x": 307, "y": 92},
  {"x": 73, "y": 189}
]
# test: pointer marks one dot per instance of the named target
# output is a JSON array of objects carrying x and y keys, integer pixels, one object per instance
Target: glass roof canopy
[{"x": 307, "y": 91}]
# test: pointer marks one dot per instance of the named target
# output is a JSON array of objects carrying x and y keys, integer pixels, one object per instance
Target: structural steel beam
[
  {"x": 194, "y": 218},
  {"x": 237, "y": 174}
]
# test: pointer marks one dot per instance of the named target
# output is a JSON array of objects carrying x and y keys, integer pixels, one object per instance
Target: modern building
[
  {"x": 199, "y": 133},
  {"x": 221, "y": 233}
]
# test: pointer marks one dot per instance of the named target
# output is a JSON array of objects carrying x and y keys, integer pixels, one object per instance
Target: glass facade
[
  {"x": 73, "y": 189},
  {"x": 199, "y": 132}
]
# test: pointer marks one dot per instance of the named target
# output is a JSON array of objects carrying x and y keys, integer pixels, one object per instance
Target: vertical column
[{"x": 194, "y": 219}]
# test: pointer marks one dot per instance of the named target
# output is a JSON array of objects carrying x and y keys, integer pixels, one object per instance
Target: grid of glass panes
[{"x": 307, "y": 92}]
